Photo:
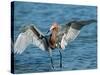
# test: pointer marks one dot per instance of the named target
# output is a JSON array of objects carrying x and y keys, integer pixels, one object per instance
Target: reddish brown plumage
[{"x": 54, "y": 31}]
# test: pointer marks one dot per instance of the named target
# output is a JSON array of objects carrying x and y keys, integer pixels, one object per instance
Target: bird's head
[{"x": 54, "y": 27}]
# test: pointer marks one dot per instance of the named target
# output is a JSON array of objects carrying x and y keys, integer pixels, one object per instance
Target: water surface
[{"x": 79, "y": 55}]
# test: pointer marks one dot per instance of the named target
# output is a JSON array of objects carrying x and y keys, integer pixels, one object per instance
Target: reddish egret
[{"x": 61, "y": 36}]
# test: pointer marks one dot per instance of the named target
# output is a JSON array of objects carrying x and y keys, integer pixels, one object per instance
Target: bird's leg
[
  {"x": 60, "y": 58},
  {"x": 50, "y": 53}
]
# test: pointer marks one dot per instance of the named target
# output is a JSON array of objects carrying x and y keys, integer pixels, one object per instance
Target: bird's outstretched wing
[
  {"x": 30, "y": 35},
  {"x": 71, "y": 30},
  {"x": 68, "y": 37}
]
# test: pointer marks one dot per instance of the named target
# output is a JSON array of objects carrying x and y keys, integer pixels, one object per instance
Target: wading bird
[{"x": 60, "y": 36}]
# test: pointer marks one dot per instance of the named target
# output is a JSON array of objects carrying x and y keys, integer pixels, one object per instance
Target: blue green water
[{"x": 79, "y": 55}]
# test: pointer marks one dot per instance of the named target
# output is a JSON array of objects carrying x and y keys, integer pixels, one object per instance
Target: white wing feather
[
  {"x": 25, "y": 39},
  {"x": 70, "y": 36}
]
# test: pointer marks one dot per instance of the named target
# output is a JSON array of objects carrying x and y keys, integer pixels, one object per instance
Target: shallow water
[{"x": 78, "y": 55}]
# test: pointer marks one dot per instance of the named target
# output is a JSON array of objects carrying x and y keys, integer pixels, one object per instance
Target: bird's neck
[
  {"x": 54, "y": 34},
  {"x": 53, "y": 39}
]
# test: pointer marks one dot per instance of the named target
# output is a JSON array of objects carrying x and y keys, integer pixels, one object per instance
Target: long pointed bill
[
  {"x": 47, "y": 31},
  {"x": 60, "y": 58}
]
